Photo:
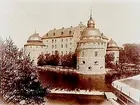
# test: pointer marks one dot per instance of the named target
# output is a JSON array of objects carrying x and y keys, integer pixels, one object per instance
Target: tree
[
  {"x": 18, "y": 76},
  {"x": 41, "y": 60},
  {"x": 69, "y": 60},
  {"x": 109, "y": 58}
]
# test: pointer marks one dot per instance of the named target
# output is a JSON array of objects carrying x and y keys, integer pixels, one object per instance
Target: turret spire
[
  {"x": 91, "y": 21},
  {"x": 35, "y": 30},
  {"x": 91, "y": 13}
]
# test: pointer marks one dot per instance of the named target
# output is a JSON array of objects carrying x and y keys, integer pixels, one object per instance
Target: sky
[{"x": 117, "y": 19}]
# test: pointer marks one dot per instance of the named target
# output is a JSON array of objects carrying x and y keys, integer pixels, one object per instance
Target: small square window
[{"x": 96, "y": 53}]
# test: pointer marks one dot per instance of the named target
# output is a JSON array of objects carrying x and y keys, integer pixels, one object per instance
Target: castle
[{"x": 89, "y": 43}]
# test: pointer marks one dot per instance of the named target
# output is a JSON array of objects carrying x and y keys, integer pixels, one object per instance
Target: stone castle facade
[{"x": 87, "y": 41}]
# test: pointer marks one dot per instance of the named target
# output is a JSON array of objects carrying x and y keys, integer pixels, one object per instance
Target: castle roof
[
  {"x": 92, "y": 34},
  {"x": 63, "y": 32},
  {"x": 112, "y": 46},
  {"x": 34, "y": 40}
]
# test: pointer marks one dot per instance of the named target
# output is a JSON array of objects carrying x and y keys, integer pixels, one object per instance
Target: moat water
[{"x": 63, "y": 80}]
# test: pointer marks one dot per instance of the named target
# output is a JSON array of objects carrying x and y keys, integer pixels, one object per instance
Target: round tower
[
  {"x": 34, "y": 47},
  {"x": 112, "y": 48},
  {"x": 91, "y": 50}
]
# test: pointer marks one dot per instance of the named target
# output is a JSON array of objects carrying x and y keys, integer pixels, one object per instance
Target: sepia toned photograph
[{"x": 69, "y": 52}]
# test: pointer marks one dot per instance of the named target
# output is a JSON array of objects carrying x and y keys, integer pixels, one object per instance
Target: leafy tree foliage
[
  {"x": 130, "y": 54},
  {"x": 67, "y": 60},
  {"x": 48, "y": 59},
  {"x": 109, "y": 58},
  {"x": 18, "y": 76},
  {"x": 41, "y": 60}
]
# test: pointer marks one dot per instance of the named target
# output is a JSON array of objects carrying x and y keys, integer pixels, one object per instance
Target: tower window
[
  {"x": 96, "y": 53},
  {"x": 52, "y": 40},
  {"x": 62, "y": 40},
  {"x": 52, "y": 46},
  {"x": 55, "y": 45},
  {"x": 83, "y": 62},
  {"x": 96, "y": 63},
  {"x": 62, "y": 33},
  {"x": 89, "y": 68}
]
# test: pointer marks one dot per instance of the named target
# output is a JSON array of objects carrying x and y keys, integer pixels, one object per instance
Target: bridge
[{"x": 128, "y": 90}]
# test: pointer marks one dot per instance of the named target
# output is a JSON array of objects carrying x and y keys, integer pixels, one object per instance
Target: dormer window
[{"x": 62, "y": 33}]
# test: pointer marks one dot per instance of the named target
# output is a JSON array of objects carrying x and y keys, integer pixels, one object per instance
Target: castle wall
[
  {"x": 62, "y": 45},
  {"x": 89, "y": 62},
  {"x": 34, "y": 52}
]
